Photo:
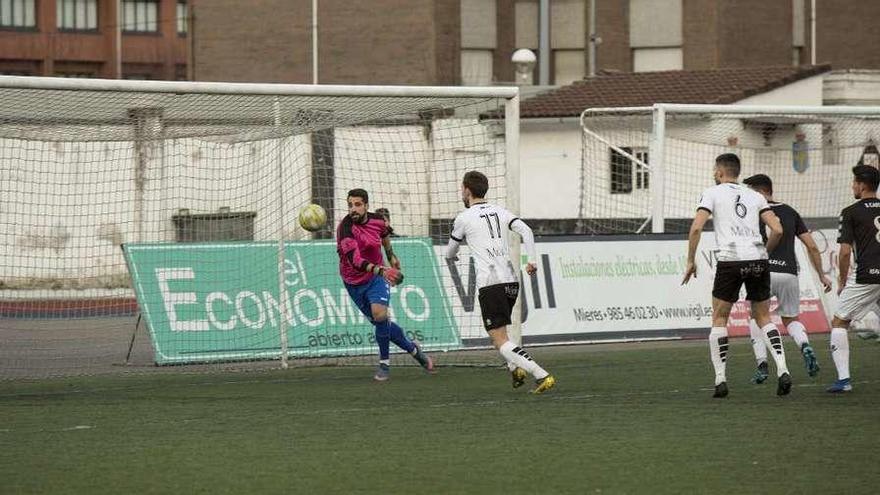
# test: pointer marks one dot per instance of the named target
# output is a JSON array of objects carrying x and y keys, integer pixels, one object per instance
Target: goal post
[
  {"x": 201, "y": 184},
  {"x": 643, "y": 168}
]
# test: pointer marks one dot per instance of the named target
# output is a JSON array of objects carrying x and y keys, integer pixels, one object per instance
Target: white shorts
[
  {"x": 788, "y": 293},
  {"x": 856, "y": 301}
]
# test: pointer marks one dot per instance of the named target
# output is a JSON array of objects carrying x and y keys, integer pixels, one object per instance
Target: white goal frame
[
  {"x": 658, "y": 114},
  {"x": 509, "y": 94}
]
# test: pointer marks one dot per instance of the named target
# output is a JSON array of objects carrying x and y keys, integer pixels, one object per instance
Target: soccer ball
[{"x": 312, "y": 217}]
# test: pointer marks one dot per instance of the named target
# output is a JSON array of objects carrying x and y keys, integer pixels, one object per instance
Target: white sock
[
  {"x": 840, "y": 352},
  {"x": 798, "y": 332},
  {"x": 773, "y": 341},
  {"x": 757, "y": 342},
  {"x": 521, "y": 358},
  {"x": 718, "y": 353}
]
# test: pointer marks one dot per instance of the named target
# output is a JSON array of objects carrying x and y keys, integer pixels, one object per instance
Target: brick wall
[
  {"x": 847, "y": 34},
  {"x": 612, "y": 25},
  {"x": 754, "y": 33},
  {"x": 375, "y": 42},
  {"x": 502, "y": 68},
  {"x": 700, "y": 34},
  {"x": 265, "y": 41},
  {"x": 378, "y": 42},
  {"x": 447, "y": 42}
]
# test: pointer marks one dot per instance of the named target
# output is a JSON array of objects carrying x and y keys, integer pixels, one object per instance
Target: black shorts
[
  {"x": 496, "y": 304},
  {"x": 731, "y": 275}
]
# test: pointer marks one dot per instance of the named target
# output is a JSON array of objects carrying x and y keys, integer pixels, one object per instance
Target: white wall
[
  {"x": 550, "y": 169},
  {"x": 852, "y": 87},
  {"x": 806, "y": 92},
  {"x": 66, "y": 206}
]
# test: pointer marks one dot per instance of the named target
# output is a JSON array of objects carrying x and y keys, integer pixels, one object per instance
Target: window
[
  {"x": 142, "y": 71},
  {"x": 77, "y": 15},
  {"x": 181, "y": 17},
  {"x": 569, "y": 66},
  {"x": 654, "y": 59},
  {"x": 656, "y": 35},
  {"x": 20, "y": 67},
  {"x": 624, "y": 177},
  {"x": 18, "y": 14},
  {"x": 476, "y": 67},
  {"x": 77, "y": 69},
  {"x": 76, "y": 75},
  {"x": 140, "y": 16}
]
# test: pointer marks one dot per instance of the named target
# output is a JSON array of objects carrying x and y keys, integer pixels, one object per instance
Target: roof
[{"x": 636, "y": 89}]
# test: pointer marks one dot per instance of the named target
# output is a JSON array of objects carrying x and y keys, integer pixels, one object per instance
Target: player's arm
[
  {"x": 389, "y": 252},
  {"x": 456, "y": 237},
  {"x": 815, "y": 259},
  {"x": 845, "y": 239},
  {"x": 528, "y": 240},
  {"x": 844, "y": 259},
  {"x": 348, "y": 248},
  {"x": 775, "y": 226},
  {"x": 694, "y": 234}
]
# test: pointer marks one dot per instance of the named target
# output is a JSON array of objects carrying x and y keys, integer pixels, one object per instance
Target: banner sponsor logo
[
  {"x": 620, "y": 286},
  {"x": 218, "y": 301}
]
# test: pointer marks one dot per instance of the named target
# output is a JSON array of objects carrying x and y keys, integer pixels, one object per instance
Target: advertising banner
[
  {"x": 594, "y": 288},
  {"x": 221, "y": 301}
]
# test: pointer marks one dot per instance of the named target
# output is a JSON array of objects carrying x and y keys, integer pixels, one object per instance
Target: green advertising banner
[{"x": 222, "y": 301}]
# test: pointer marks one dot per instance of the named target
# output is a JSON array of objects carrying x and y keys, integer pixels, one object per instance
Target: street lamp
[{"x": 524, "y": 62}]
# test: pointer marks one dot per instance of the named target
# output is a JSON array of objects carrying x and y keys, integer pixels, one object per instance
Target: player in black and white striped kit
[
  {"x": 741, "y": 259},
  {"x": 860, "y": 235},
  {"x": 784, "y": 279},
  {"x": 486, "y": 227}
]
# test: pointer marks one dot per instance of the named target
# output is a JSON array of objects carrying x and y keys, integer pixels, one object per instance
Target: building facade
[
  {"x": 81, "y": 38},
  {"x": 470, "y": 42}
]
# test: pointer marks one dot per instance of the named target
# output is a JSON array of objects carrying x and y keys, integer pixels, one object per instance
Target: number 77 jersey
[{"x": 485, "y": 227}]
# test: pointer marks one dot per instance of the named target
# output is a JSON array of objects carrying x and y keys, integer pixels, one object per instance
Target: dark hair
[
  {"x": 359, "y": 193},
  {"x": 384, "y": 212},
  {"x": 760, "y": 182},
  {"x": 867, "y": 175},
  {"x": 730, "y": 163},
  {"x": 477, "y": 183}
]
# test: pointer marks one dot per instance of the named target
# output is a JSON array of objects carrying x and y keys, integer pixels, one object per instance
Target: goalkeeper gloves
[
  {"x": 392, "y": 275},
  {"x": 389, "y": 273}
]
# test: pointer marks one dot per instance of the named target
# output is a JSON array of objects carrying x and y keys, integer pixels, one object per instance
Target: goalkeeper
[{"x": 360, "y": 237}]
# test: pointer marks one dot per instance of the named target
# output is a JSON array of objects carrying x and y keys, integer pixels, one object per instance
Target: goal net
[
  {"x": 643, "y": 169},
  {"x": 156, "y": 222}
]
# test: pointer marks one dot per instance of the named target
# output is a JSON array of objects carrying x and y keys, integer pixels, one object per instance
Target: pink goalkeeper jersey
[{"x": 359, "y": 244}]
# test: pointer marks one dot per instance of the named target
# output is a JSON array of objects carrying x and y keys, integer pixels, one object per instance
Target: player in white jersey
[
  {"x": 741, "y": 259},
  {"x": 486, "y": 226}
]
